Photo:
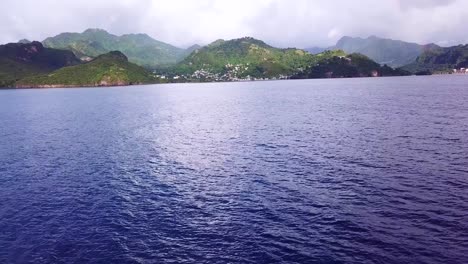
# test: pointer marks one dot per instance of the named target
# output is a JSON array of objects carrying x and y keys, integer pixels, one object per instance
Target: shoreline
[{"x": 40, "y": 87}]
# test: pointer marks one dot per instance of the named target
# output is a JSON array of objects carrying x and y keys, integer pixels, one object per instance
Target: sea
[{"x": 366, "y": 170}]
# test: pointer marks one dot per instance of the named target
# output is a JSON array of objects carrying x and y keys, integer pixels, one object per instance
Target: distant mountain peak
[
  {"x": 140, "y": 49},
  {"x": 24, "y": 41},
  {"x": 139, "y": 35},
  {"x": 95, "y": 30},
  {"x": 344, "y": 38},
  {"x": 216, "y": 43},
  {"x": 240, "y": 41},
  {"x": 249, "y": 39},
  {"x": 194, "y": 46},
  {"x": 395, "y": 53}
]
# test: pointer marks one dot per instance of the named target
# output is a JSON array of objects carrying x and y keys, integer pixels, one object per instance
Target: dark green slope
[
  {"x": 347, "y": 66},
  {"x": 440, "y": 60},
  {"x": 20, "y": 60},
  {"x": 139, "y": 48},
  {"x": 111, "y": 69},
  {"x": 245, "y": 57}
]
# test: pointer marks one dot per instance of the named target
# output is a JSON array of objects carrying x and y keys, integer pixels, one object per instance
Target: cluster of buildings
[
  {"x": 231, "y": 73},
  {"x": 461, "y": 71},
  {"x": 228, "y": 76},
  {"x": 203, "y": 76}
]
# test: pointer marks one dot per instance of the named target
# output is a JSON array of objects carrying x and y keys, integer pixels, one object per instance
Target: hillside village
[{"x": 460, "y": 71}]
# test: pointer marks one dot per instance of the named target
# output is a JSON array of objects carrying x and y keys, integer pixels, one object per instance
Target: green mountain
[
  {"x": 244, "y": 57},
  {"x": 192, "y": 49},
  {"x": 440, "y": 60},
  {"x": 139, "y": 48},
  {"x": 249, "y": 58},
  {"x": 110, "y": 69},
  {"x": 335, "y": 65},
  {"x": 394, "y": 53},
  {"x": 20, "y": 60},
  {"x": 33, "y": 65}
]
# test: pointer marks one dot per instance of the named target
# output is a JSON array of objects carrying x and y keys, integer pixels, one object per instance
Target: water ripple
[{"x": 322, "y": 171}]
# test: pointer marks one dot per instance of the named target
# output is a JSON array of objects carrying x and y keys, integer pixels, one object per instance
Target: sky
[{"x": 282, "y": 23}]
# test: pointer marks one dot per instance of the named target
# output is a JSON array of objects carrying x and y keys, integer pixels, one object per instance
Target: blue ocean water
[{"x": 310, "y": 171}]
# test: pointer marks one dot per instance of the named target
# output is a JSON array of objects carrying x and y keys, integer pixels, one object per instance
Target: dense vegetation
[
  {"x": 106, "y": 70},
  {"x": 440, "y": 60},
  {"x": 139, "y": 48},
  {"x": 20, "y": 60},
  {"x": 347, "y": 66},
  {"x": 248, "y": 56},
  {"x": 30, "y": 64}
]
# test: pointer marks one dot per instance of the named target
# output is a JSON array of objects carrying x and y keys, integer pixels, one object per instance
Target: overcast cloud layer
[{"x": 283, "y": 23}]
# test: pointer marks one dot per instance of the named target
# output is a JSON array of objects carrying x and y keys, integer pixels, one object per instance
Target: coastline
[{"x": 26, "y": 87}]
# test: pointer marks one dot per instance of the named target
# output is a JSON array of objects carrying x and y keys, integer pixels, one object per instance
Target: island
[{"x": 98, "y": 58}]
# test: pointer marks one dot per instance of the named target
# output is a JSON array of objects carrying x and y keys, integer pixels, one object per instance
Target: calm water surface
[{"x": 315, "y": 171}]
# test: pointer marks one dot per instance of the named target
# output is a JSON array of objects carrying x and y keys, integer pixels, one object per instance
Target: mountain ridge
[
  {"x": 140, "y": 48},
  {"x": 238, "y": 59},
  {"x": 440, "y": 60},
  {"x": 395, "y": 53}
]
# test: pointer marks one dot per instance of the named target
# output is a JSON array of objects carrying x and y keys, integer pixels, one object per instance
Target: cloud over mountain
[{"x": 284, "y": 23}]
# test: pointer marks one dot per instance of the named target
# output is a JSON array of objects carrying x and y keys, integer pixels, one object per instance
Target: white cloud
[{"x": 300, "y": 23}]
